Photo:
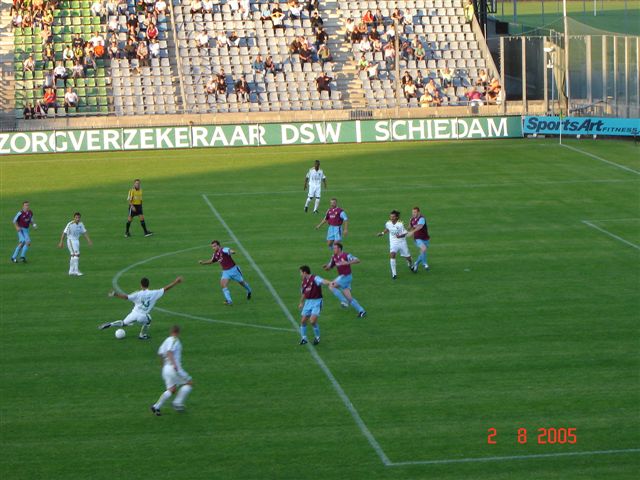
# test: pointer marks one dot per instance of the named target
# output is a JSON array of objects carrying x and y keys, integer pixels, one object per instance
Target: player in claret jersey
[
  {"x": 22, "y": 221},
  {"x": 230, "y": 271},
  {"x": 314, "y": 180},
  {"x": 341, "y": 286},
  {"x": 310, "y": 303},
  {"x": 336, "y": 218},
  {"x": 420, "y": 233},
  {"x": 397, "y": 242}
]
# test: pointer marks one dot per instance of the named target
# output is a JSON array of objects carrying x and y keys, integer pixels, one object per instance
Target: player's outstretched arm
[
  {"x": 86, "y": 235},
  {"x": 301, "y": 303},
  {"x": 346, "y": 227},
  {"x": 173, "y": 284},
  {"x": 61, "y": 239},
  {"x": 306, "y": 183},
  {"x": 382, "y": 233},
  {"x": 324, "y": 180},
  {"x": 324, "y": 220},
  {"x": 123, "y": 296},
  {"x": 205, "y": 262}
]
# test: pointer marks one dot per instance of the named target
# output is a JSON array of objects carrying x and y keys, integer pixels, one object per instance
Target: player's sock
[
  {"x": 144, "y": 330},
  {"x": 23, "y": 254},
  {"x": 118, "y": 323},
  {"x": 227, "y": 295},
  {"x": 303, "y": 331},
  {"x": 128, "y": 227},
  {"x": 182, "y": 394},
  {"x": 76, "y": 264},
  {"x": 306, "y": 204},
  {"x": 339, "y": 295},
  {"x": 423, "y": 255},
  {"x": 356, "y": 305},
  {"x": 16, "y": 251},
  {"x": 247, "y": 287},
  {"x": 316, "y": 330},
  {"x": 392, "y": 262},
  {"x": 143, "y": 224},
  {"x": 71, "y": 270},
  {"x": 317, "y": 204},
  {"x": 166, "y": 395}
]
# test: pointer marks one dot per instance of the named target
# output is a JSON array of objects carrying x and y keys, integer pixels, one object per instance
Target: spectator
[
  {"x": 367, "y": 18},
  {"x": 196, "y": 7},
  {"x": 130, "y": 49},
  {"x": 419, "y": 81},
  {"x": 142, "y": 52},
  {"x": 363, "y": 63},
  {"x": 97, "y": 39},
  {"x": 123, "y": 6},
  {"x": 406, "y": 78},
  {"x": 305, "y": 54},
  {"x": 431, "y": 87},
  {"x": 49, "y": 100},
  {"x": 48, "y": 54},
  {"x": 132, "y": 24},
  {"x": 242, "y": 89},
  {"x": 161, "y": 8},
  {"x": 152, "y": 31},
  {"x": 98, "y": 9},
  {"x": 365, "y": 45},
  {"x": 436, "y": 99},
  {"x": 46, "y": 35},
  {"x": 113, "y": 25},
  {"x": 350, "y": 27},
  {"x": 376, "y": 45},
  {"x": 390, "y": 33},
  {"x": 207, "y": 6},
  {"x": 40, "y": 109},
  {"x": 474, "y": 96},
  {"x": 378, "y": 18},
  {"x": 48, "y": 81},
  {"x": 67, "y": 53},
  {"x": 425, "y": 100},
  {"x": 154, "y": 48},
  {"x": 397, "y": 16},
  {"x": 324, "y": 55},
  {"x": 233, "y": 40},
  {"x": 409, "y": 90},
  {"x": 269, "y": 65},
  {"x": 221, "y": 39},
  {"x": 89, "y": 58},
  {"x": 29, "y": 65},
  {"x": 483, "y": 79},
  {"x": 446, "y": 78},
  {"x": 211, "y": 87},
  {"x": 295, "y": 46},
  {"x": 70, "y": 99},
  {"x": 277, "y": 17},
  {"x": 321, "y": 37},
  {"x": 295, "y": 10},
  {"x": 407, "y": 51},
  {"x": 47, "y": 18},
  {"x": 372, "y": 71},
  {"x": 389, "y": 55},
  {"x": 222, "y": 84},
  {"x": 258, "y": 64},
  {"x": 316, "y": 21},
  {"x": 27, "y": 20},
  {"x": 202, "y": 39},
  {"x": 78, "y": 69},
  {"x": 419, "y": 51},
  {"x": 16, "y": 21},
  {"x": 493, "y": 91},
  {"x": 311, "y": 5},
  {"x": 265, "y": 13},
  {"x": 469, "y": 11},
  {"x": 323, "y": 83},
  {"x": 77, "y": 41},
  {"x": 28, "y": 112},
  {"x": 112, "y": 7},
  {"x": 61, "y": 73}
]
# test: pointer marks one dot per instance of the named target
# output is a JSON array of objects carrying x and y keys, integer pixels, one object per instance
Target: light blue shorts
[
  {"x": 233, "y": 274},
  {"x": 23, "y": 235},
  {"x": 312, "y": 307},
  {"x": 334, "y": 233},
  {"x": 420, "y": 242},
  {"x": 344, "y": 281}
]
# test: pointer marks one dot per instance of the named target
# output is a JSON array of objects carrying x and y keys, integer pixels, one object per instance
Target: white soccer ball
[{"x": 120, "y": 333}]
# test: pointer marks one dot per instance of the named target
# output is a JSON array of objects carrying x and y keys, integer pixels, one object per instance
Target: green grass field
[
  {"x": 611, "y": 15},
  {"x": 527, "y": 319}
]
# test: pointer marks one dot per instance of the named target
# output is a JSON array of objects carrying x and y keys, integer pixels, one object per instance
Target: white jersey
[
  {"x": 171, "y": 344},
  {"x": 145, "y": 300},
  {"x": 394, "y": 230},
  {"x": 315, "y": 177},
  {"x": 73, "y": 230}
]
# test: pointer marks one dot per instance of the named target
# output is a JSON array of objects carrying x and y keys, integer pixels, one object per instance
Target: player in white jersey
[
  {"x": 73, "y": 230},
  {"x": 144, "y": 300},
  {"x": 173, "y": 374},
  {"x": 314, "y": 180},
  {"x": 397, "y": 241}
]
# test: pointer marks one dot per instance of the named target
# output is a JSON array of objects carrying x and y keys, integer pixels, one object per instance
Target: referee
[{"x": 135, "y": 208}]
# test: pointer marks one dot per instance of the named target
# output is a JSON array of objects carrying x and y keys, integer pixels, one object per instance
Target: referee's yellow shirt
[{"x": 135, "y": 197}]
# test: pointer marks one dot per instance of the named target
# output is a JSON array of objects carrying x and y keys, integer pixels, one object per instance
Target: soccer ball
[{"x": 120, "y": 333}]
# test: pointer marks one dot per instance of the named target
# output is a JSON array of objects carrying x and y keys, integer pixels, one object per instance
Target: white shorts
[
  {"x": 73, "y": 246},
  {"x": 135, "y": 317},
  {"x": 400, "y": 247},
  {"x": 314, "y": 191},
  {"x": 172, "y": 378}
]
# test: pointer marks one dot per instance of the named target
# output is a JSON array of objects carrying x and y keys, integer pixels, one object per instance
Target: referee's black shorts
[{"x": 137, "y": 212}]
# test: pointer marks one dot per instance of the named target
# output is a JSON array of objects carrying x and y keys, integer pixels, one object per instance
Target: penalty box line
[
  {"x": 314, "y": 354},
  {"x": 612, "y": 235}
]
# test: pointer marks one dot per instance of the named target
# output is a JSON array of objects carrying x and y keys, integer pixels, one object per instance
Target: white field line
[
  {"x": 423, "y": 187},
  {"x": 515, "y": 457},
  {"x": 607, "y": 232},
  {"x": 116, "y": 287},
  {"x": 312, "y": 350},
  {"x": 596, "y": 157}
]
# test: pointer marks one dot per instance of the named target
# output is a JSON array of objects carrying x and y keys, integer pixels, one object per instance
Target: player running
[
  {"x": 73, "y": 230},
  {"x": 230, "y": 271},
  {"x": 22, "y": 221},
  {"x": 336, "y": 218},
  {"x": 420, "y": 233},
  {"x": 397, "y": 242},
  {"x": 341, "y": 286},
  {"x": 310, "y": 303},
  {"x": 314, "y": 180},
  {"x": 144, "y": 300},
  {"x": 135, "y": 208},
  {"x": 173, "y": 374}
]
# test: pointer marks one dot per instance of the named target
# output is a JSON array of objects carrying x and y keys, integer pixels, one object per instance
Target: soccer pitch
[{"x": 528, "y": 318}]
